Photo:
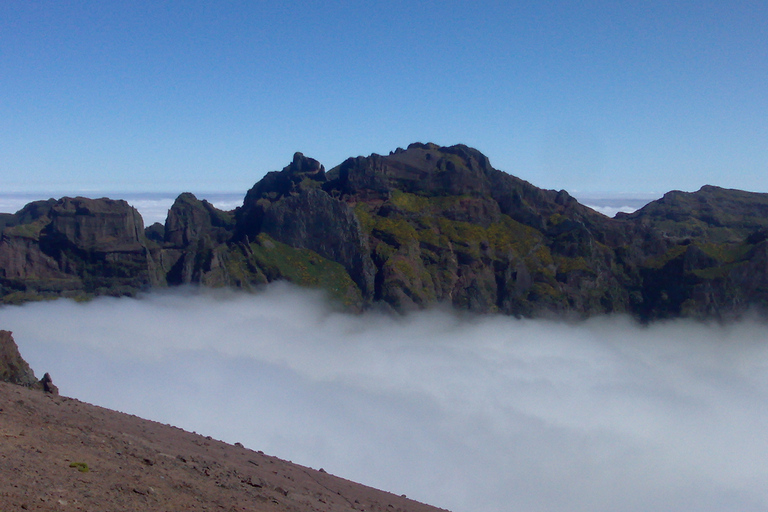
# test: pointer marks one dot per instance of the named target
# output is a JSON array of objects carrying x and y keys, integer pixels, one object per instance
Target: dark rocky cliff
[
  {"x": 74, "y": 247},
  {"x": 419, "y": 226},
  {"x": 292, "y": 208},
  {"x": 14, "y": 369}
]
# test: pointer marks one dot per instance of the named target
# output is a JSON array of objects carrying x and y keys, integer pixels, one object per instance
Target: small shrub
[{"x": 81, "y": 466}]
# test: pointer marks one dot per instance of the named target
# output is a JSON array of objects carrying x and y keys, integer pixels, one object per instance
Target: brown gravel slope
[{"x": 139, "y": 465}]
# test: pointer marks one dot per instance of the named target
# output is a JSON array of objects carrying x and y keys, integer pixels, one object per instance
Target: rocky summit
[{"x": 418, "y": 227}]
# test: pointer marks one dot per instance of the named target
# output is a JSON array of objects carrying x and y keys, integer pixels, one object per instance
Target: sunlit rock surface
[{"x": 420, "y": 226}]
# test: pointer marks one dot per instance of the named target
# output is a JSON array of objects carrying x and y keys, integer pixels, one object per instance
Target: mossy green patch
[
  {"x": 725, "y": 252},
  {"x": 405, "y": 267},
  {"x": 383, "y": 251},
  {"x": 30, "y": 230},
  {"x": 555, "y": 219},
  {"x": 718, "y": 272},
  {"x": 80, "y": 466},
  {"x": 431, "y": 237},
  {"x": 303, "y": 267},
  {"x": 363, "y": 214},
  {"x": 657, "y": 262},
  {"x": 544, "y": 292},
  {"x": 222, "y": 218},
  {"x": 309, "y": 183},
  {"x": 565, "y": 265},
  {"x": 409, "y": 202},
  {"x": 395, "y": 231},
  {"x": 508, "y": 235},
  {"x": 541, "y": 255}
]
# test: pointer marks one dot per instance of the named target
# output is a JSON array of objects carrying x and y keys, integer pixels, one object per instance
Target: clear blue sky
[{"x": 620, "y": 97}]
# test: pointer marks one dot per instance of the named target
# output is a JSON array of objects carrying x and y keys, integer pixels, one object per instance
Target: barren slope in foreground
[{"x": 133, "y": 464}]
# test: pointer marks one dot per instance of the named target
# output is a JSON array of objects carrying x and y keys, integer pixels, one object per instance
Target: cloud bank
[{"x": 463, "y": 412}]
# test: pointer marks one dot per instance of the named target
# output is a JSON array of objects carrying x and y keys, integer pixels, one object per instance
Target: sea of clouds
[
  {"x": 464, "y": 412},
  {"x": 611, "y": 205}
]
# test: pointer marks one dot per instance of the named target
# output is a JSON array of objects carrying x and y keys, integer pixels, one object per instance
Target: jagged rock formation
[
  {"x": 48, "y": 386},
  {"x": 419, "y": 226},
  {"x": 291, "y": 208},
  {"x": 74, "y": 247},
  {"x": 193, "y": 231},
  {"x": 14, "y": 369}
]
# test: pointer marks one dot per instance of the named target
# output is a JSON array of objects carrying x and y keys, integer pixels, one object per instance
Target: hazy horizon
[{"x": 457, "y": 410}]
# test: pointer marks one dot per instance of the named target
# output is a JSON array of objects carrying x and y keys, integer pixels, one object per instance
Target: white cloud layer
[
  {"x": 611, "y": 211},
  {"x": 464, "y": 412}
]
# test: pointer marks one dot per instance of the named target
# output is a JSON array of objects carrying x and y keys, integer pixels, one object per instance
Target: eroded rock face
[
  {"x": 190, "y": 219},
  {"x": 13, "y": 367},
  {"x": 96, "y": 225},
  {"x": 444, "y": 226},
  {"x": 302, "y": 173},
  {"x": 194, "y": 240},
  {"x": 311, "y": 219},
  {"x": 290, "y": 207},
  {"x": 420, "y": 226},
  {"x": 75, "y": 246},
  {"x": 21, "y": 259}
]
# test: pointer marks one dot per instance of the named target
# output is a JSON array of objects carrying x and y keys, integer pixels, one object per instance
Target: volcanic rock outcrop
[
  {"x": 420, "y": 226},
  {"x": 74, "y": 247},
  {"x": 14, "y": 369}
]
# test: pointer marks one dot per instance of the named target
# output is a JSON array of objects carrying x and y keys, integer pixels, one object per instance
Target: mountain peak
[{"x": 423, "y": 225}]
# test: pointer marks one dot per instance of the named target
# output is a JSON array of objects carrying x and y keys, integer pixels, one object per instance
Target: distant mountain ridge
[{"x": 420, "y": 226}]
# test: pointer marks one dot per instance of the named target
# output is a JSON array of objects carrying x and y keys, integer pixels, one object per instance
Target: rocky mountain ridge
[{"x": 420, "y": 226}]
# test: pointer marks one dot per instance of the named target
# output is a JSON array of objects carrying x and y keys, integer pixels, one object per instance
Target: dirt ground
[{"x": 60, "y": 454}]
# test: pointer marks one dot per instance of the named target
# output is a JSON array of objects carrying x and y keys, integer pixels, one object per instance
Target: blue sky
[{"x": 592, "y": 97}]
